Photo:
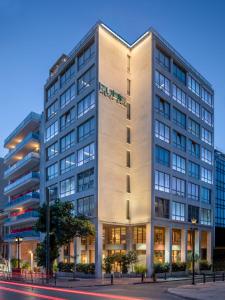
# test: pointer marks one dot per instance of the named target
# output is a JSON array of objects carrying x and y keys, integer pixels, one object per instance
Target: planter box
[
  {"x": 70, "y": 275},
  {"x": 179, "y": 274}
]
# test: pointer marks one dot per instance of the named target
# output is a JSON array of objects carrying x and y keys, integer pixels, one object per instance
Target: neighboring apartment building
[
  {"x": 3, "y": 214},
  {"x": 128, "y": 137},
  {"x": 22, "y": 174}
]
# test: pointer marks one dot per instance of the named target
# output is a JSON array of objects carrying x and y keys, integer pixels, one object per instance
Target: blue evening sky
[{"x": 34, "y": 33}]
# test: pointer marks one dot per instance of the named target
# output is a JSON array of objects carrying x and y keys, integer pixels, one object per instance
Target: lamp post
[
  {"x": 18, "y": 241},
  {"x": 193, "y": 221}
]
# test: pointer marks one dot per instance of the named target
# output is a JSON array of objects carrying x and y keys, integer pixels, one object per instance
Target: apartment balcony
[
  {"x": 27, "y": 182},
  {"x": 30, "y": 143},
  {"x": 29, "y": 124},
  {"x": 27, "y": 163},
  {"x": 27, "y": 217},
  {"x": 24, "y": 201},
  {"x": 25, "y": 235}
]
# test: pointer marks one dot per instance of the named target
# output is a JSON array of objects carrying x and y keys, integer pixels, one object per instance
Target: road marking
[
  {"x": 77, "y": 292},
  {"x": 30, "y": 293}
]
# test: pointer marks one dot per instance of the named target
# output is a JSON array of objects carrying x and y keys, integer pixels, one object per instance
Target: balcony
[
  {"x": 27, "y": 163},
  {"x": 30, "y": 123},
  {"x": 30, "y": 216},
  {"x": 22, "y": 184},
  {"x": 28, "y": 144},
  {"x": 23, "y": 201},
  {"x": 28, "y": 235}
]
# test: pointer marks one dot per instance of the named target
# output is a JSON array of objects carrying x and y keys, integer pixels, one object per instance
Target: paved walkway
[{"x": 210, "y": 290}]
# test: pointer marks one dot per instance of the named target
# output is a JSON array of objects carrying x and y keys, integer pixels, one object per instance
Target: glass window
[
  {"x": 86, "y": 129},
  {"x": 179, "y": 73},
  {"x": 205, "y": 195},
  {"x": 206, "y": 175},
  {"x": 178, "y": 186},
  {"x": 162, "y": 181},
  {"x": 194, "y": 149},
  {"x": 193, "y": 170},
  {"x": 179, "y": 140},
  {"x": 193, "y": 213},
  {"x": 162, "y": 156},
  {"x": 86, "y": 104},
  {"x": 52, "y": 90},
  {"x": 207, "y": 117},
  {"x": 179, "y": 163},
  {"x": 85, "y": 180},
  {"x": 139, "y": 234},
  {"x": 179, "y": 96},
  {"x": 207, "y": 97},
  {"x": 205, "y": 216},
  {"x": 162, "y": 208},
  {"x": 51, "y": 131},
  {"x": 52, "y": 171},
  {"x": 67, "y": 187},
  {"x": 67, "y": 141},
  {"x": 86, "y": 55},
  {"x": 128, "y": 111},
  {"x": 162, "y": 83},
  {"x": 194, "y": 127},
  {"x": 67, "y": 164},
  {"x": 193, "y": 191},
  {"x": 52, "y": 151},
  {"x": 194, "y": 86},
  {"x": 206, "y": 136},
  {"x": 162, "y": 59},
  {"x": 67, "y": 75},
  {"x": 53, "y": 192},
  {"x": 206, "y": 156},
  {"x": 86, "y": 80},
  {"x": 67, "y": 118},
  {"x": 179, "y": 118},
  {"x": 85, "y": 206},
  {"x": 194, "y": 106},
  {"x": 162, "y": 131},
  {"x": 162, "y": 107},
  {"x": 85, "y": 154},
  {"x": 67, "y": 96},
  {"x": 52, "y": 110},
  {"x": 178, "y": 211}
]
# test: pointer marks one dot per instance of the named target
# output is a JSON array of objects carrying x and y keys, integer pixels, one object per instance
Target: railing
[
  {"x": 21, "y": 181},
  {"x": 32, "y": 116},
  {"x": 26, "y": 215},
  {"x": 22, "y": 199},
  {"x": 21, "y": 162},
  {"x": 22, "y": 143},
  {"x": 22, "y": 234}
]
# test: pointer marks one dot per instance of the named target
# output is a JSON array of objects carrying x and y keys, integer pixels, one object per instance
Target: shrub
[
  {"x": 140, "y": 269},
  {"x": 204, "y": 265},
  {"x": 179, "y": 266},
  {"x": 25, "y": 265},
  {"x": 86, "y": 268},
  {"x": 14, "y": 262},
  {"x": 161, "y": 267},
  {"x": 65, "y": 267}
]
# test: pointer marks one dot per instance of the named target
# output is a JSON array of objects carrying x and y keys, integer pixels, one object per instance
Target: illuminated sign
[{"x": 112, "y": 95}]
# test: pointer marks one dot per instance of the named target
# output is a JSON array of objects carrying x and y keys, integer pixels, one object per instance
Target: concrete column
[
  {"x": 61, "y": 255},
  {"x": 184, "y": 245},
  {"x": 98, "y": 250},
  {"x": 149, "y": 248},
  {"x": 129, "y": 239},
  {"x": 198, "y": 242},
  {"x": 77, "y": 250},
  {"x": 209, "y": 247},
  {"x": 168, "y": 244},
  {"x": 9, "y": 256}
]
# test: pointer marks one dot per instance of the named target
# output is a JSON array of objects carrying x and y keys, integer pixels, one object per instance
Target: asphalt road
[{"x": 20, "y": 291}]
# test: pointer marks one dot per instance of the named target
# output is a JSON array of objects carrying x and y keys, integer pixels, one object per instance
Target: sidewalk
[{"x": 210, "y": 290}]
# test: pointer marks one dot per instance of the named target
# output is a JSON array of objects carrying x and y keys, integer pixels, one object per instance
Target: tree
[{"x": 64, "y": 227}]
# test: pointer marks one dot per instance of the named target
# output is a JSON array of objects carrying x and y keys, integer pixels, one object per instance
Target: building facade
[
  {"x": 128, "y": 137},
  {"x": 3, "y": 214},
  {"x": 22, "y": 174}
]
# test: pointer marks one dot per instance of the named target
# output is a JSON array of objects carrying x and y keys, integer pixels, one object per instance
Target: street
[{"x": 19, "y": 291}]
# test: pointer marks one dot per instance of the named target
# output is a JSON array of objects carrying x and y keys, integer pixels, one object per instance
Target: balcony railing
[
  {"x": 21, "y": 162},
  {"x": 22, "y": 199},
  {"x": 19, "y": 146},
  {"x": 31, "y": 117},
  {"x": 23, "y": 234},
  {"x": 24, "y": 179},
  {"x": 26, "y": 215}
]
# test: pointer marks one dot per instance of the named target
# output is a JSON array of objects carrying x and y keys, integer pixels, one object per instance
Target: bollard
[
  {"x": 165, "y": 276},
  {"x": 223, "y": 276},
  {"x": 111, "y": 279},
  {"x": 214, "y": 277},
  {"x": 142, "y": 277},
  {"x": 203, "y": 277},
  {"x": 42, "y": 277},
  {"x": 55, "y": 279}
]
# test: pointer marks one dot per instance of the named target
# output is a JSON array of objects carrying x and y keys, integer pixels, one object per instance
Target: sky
[{"x": 34, "y": 33}]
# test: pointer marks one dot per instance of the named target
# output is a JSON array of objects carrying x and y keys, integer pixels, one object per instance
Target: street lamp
[
  {"x": 193, "y": 221},
  {"x": 18, "y": 241}
]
